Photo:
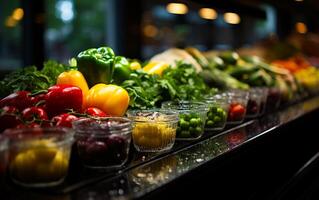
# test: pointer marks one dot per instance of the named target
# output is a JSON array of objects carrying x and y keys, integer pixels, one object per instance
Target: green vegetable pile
[
  {"x": 31, "y": 79},
  {"x": 180, "y": 83}
]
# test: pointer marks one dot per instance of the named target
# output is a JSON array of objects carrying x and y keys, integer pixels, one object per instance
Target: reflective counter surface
[{"x": 147, "y": 172}]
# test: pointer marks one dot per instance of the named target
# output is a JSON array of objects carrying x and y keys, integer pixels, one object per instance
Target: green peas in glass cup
[
  {"x": 217, "y": 114},
  {"x": 192, "y": 117}
]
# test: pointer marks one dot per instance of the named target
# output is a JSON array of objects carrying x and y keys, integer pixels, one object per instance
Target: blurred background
[{"x": 36, "y": 30}]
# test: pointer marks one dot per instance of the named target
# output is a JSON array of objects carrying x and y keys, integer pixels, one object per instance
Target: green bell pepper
[
  {"x": 97, "y": 65},
  {"x": 122, "y": 70}
]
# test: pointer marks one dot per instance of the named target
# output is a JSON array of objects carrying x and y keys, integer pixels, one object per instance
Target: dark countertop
[{"x": 147, "y": 173}]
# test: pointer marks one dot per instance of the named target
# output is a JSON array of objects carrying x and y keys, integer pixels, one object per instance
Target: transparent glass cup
[
  {"x": 273, "y": 99},
  {"x": 254, "y": 104},
  {"x": 217, "y": 113},
  {"x": 238, "y": 106},
  {"x": 4, "y": 146},
  {"x": 104, "y": 142},
  {"x": 192, "y": 117},
  {"x": 153, "y": 130},
  {"x": 39, "y": 157}
]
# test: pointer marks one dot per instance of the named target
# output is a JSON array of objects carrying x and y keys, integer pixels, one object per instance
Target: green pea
[
  {"x": 193, "y": 122},
  {"x": 213, "y": 109},
  {"x": 220, "y": 110},
  {"x": 197, "y": 132},
  {"x": 210, "y": 123},
  {"x": 192, "y": 130},
  {"x": 223, "y": 115},
  {"x": 184, "y": 124},
  {"x": 178, "y": 130},
  {"x": 184, "y": 134},
  {"x": 193, "y": 115},
  {"x": 199, "y": 121},
  {"x": 210, "y": 115},
  {"x": 217, "y": 119}
]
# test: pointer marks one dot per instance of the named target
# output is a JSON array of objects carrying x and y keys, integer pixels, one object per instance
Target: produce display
[
  {"x": 153, "y": 131},
  {"x": 104, "y": 142},
  {"x": 192, "y": 117},
  {"x": 177, "y": 94}
]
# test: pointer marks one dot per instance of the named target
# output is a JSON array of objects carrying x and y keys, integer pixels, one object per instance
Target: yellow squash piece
[{"x": 155, "y": 67}]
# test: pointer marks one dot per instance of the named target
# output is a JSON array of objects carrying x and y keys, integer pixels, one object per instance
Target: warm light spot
[
  {"x": 301, "y": 27},
  {"x": 150, "y": 31},
  {"x": 299, "y": 0},
  {"x": 17, "y": 14},
  {"x": 207, "y": 13},
  {"x": 10, "y": 22},
  {"x": 231, "y": 18},
  {"x": 177, "y": 8}
]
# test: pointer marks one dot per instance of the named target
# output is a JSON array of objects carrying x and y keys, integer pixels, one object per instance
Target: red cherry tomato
[
  {"x": 95, "y": 112},
  {"x": 64, "y": 120},
  {"x": 8, "y": 117},
  {"x": 34, "y": 113}
]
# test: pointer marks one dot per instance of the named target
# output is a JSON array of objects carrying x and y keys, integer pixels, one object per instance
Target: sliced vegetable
[{"x": 155, "y": 67}]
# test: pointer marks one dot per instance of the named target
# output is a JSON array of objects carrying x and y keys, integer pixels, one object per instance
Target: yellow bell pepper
[
  {"x": 155, "y": 67},
  {"x": 111, "y": 99},
  {"x": 75, "y": 78},
  {"x": 135, "y": 65}
]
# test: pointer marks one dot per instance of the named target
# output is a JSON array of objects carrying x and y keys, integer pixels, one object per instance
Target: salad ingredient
[
  {"x": 190, "y": 125},
  {"x": 153, "y": 131},
  {"x": 122, "y": 70},
  {"x": 31, "y": 79},
  {"x": 104, "y": 142},
  {"x": 111, "y": 99},
  {"x": 9, "y": 118},
  {"x": 62, "y": 97},
  {"x": 64, "y": 120},
  {"x": 236, "y": 112},
  {"x": 96, "y": 64},
  {"x": 216, "y": 117},
  {"x": 74, "y": 78},
  {"x": 95, "y": 112},
  {"x": 32, "y": 114},
  {"x": 135, "y": 65},
  {"x": 40, "y": 162},
  {"x": 19, "y": 99},
  {"x": 155, "y": 67}
]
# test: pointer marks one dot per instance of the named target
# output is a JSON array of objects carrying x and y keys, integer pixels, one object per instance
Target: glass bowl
[
  {"x": 39, "y": 157},
  {"x": 103, "y": 142},
  {"x": 254, "y": 103},
  {"x": 273, "y": 99},
  {"x": 192, "y": 117},
  {"x": 4, "y": 146},
  {"x": 217, "y": 113},
  {"x": 238, "y": 105},
  {"x": 153, "y": 130}
]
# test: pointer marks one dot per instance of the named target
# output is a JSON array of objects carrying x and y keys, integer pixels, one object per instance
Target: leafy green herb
[
  {"x": 31, "y": 79},
  {"x": 148, "y": 91}
]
